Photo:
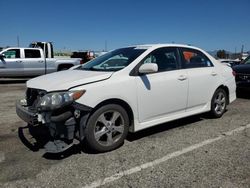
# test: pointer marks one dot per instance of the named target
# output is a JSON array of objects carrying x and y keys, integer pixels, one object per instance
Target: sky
[{"x": 99, "y": 24}]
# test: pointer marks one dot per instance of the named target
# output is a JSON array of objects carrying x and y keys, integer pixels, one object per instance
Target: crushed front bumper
[
  {"x": 62, "y": 127},
  {"x": 26, "y": 114}
]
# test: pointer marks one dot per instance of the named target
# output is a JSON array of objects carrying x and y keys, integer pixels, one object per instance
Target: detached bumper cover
[
  {"x": 26, "y": 114},
  {"x": 62, "y": 126}
]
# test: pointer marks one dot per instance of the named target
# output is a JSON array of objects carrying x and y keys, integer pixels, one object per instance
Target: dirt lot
[{"x": 191, "y": 152}]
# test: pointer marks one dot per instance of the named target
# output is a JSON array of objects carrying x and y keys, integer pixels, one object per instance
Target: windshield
[
  {"x": 247, "y": 60},
  {"x": 114, "y": 60}
]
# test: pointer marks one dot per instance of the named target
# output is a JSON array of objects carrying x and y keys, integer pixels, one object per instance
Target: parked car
[
  {"x": 85, "y": 56},
  {"x": 244, "y": 56},
  {"x": 99, "y": 102},
  {"x": 34, "y": 61},
  {"x": 230, "y": 62},
  {"x": 242, "y": 77}
]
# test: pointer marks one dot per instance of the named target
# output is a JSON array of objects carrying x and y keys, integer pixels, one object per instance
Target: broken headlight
[{"x": 53, "y": 101}]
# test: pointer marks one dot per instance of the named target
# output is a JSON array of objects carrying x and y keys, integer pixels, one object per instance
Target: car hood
[
  {"x": 65, "y": 80},
  {"x": 244, "y": 68}
]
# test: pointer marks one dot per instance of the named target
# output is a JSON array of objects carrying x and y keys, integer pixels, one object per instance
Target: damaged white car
[{"x": 128, "y": 89}]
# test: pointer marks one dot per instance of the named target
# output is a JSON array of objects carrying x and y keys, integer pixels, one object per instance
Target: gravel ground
[{"x": 222, "y": 163}]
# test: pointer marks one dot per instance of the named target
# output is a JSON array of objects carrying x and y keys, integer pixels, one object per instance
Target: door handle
[
  {"x": 213, "y": 73},
  {"x": 40, "y": 61},
  {"x": 182, "y": 77},
  {"x": 19, "y": 61}
]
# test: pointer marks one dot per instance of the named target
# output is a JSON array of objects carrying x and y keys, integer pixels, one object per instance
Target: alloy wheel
[
  {"x": 220, "y": 103},
  {"x": 109, "y": 128}
]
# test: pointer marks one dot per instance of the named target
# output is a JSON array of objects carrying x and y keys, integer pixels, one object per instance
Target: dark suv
[{"x": 243, "y": 75}]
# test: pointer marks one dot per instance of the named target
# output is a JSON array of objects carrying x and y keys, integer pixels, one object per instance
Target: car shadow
[
  {"x": 73, "y": 150},
  {"x": 37, "y": 138},
  {"x": 13, "y": 81},
  {"x": 40, "y": 136},
  {"x": 180, "y": 123},
  {"x": 243, "y": 94}
]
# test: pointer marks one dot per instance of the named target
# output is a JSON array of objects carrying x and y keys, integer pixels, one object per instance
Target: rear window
[{"x": 32, "y": 53}]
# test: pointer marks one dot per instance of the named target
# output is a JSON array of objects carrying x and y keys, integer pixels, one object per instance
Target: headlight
[{"x": 54, "y": 101}]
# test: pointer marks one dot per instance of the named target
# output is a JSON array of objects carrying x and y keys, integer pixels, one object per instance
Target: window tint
[
  {"x": 32, "y": 53},
  {"x": 12, "y": 54},
  {"x": 195, "y": 59},
  {"x": 165, "y": 58}
]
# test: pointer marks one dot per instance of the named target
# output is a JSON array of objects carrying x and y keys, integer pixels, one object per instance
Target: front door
[
  {"x": 163, "y": 93},
  {"x": 12, "y": 64}
]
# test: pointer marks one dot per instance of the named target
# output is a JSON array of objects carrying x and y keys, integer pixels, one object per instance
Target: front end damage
[{"x": 59, "y": 113}]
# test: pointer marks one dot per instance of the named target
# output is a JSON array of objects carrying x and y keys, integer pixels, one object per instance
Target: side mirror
[
  {"x": 148, "y": 68},
  {"x": 2, "y": 56}
]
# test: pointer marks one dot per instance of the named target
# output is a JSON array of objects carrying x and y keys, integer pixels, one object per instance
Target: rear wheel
[
  {"x": 107, "y": 128},
  {"x": 218, "y": 103},
  {"x": 64, "y": 67}
]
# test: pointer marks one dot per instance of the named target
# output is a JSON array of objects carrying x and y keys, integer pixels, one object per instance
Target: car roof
[
  {"x": 233, "y": 60},
  {"x": 22, "y": 48},
  {"x": 147, "y": 46}
]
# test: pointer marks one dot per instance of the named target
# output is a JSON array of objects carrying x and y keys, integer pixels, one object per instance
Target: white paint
[
  {"x": 139, "y": 168},
  {"x": 2, "y": 156},
  {"x": 153, "y": 98}
]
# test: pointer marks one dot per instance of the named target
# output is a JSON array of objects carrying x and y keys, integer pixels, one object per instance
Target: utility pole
[
  {"x": 17, "y": 41},
  {"x": 235, "y": 52},
  {"x": 242, "y": 49},
  {"x": 106, "y": 46}
]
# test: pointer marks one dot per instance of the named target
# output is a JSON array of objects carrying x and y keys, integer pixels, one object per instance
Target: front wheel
[
  {"x": 218, "y": 103},
  {"x": 107, "y": 128},
  {"x": 63, "y": 68}
]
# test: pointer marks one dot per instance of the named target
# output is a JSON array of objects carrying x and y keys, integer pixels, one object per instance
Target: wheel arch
[
  {"x": 225, "y": 88},
  {"x": 120, "y": 102},
  {"x": 64, "y": 65}
]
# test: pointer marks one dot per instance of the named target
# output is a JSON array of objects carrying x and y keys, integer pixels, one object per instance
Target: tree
[{"x": 221, "y": 54}]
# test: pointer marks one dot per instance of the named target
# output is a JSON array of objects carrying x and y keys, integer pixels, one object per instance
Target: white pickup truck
[{"x": 34, "y": 61}]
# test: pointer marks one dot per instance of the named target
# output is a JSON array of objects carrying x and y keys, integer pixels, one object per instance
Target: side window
[
  {"x": 195, "y": 59},
  {"x": 165, "y": 58},
  {"x": 29, "y": 53},
  {"x": 247, "y": 60},
  {"x": 12, "y": 54}
]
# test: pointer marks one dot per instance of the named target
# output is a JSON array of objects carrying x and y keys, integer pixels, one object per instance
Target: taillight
[
  {"x": 234, "y": 73},
  {"x": 81, "y": 62}
]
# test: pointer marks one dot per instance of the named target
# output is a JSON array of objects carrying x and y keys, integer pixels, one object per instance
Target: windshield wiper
[
  {"x": 91, "y": 68},
  {"x": 102, "y": 70}
]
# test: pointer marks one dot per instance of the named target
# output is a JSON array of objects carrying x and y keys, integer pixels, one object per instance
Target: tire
[
  {"x": 218, "y": 103},
  {"x": 107, "y": 128},
  {"x": 63, "y": 68}
]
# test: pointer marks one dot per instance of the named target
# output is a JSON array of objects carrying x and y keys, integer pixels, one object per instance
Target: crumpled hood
[{"x": 64, "y": 80}]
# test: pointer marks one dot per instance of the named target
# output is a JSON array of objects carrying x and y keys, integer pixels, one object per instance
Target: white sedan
[{"x": 128, "y": 89}]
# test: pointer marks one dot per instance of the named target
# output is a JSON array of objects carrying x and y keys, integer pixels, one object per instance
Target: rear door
[
  {"x": 12, "y": 64},
  {"x": 202, "y": 78},
  {"x": 34, "y": 62}
]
